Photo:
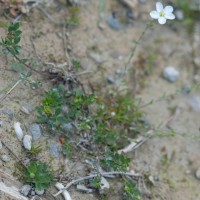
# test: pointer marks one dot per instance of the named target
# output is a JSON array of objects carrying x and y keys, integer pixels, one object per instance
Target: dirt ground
[{"x": 172, "y": 159}]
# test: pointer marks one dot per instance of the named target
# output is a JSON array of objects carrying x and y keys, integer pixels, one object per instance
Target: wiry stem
[{"x": 148, "y": 25}]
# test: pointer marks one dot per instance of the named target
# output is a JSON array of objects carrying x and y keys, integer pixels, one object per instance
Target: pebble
[
  {"x": 27, "y": 142},
  {"x": 185, "y": 90},
  {"x": 101, "y": 26},
  {"x": 27, "y": 108},
  {"x": 197, "y": 173},
  {"x": 104, "y": 184},
  {"x": 142, "y": 1},
  {"x": 110, "y": 80},
  {"x": 179, "y": 14},
  {"x": 5, "y": 158},
  {"x": 18, "y": 131},
  {"x": 113, "y": 22},
  {"x": 171, "y": 74},
  {"x": 35, "y": 131},
  {"x": 39, "y": 192},
  {"x": 83, "y": 188},
  {"x": 1, "y": 145},
  {"x": 1, "y": 123},
  {"x": 96, "y": 57},
  {"x": 25, "y": 189},
  {"x": 54, "y": 150},
  {"x": 8, "y": 112},
  {"x": 194, "y": 102}
]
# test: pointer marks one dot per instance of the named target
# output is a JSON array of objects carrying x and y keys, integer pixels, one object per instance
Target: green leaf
[
  {"x": 17, "y": 40},
  {"x": 18, "y": 33}
]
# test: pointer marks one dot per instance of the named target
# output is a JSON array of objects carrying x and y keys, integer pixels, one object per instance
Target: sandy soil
[{"x": 172, "y": 159}]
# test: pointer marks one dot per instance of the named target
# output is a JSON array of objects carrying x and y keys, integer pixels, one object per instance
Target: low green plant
[
  {"x": 39, "y": 175},
  {"x": 191, "y": 12},
  {"x": 96, "y": 182},
  {"x": 73, "y": 19},
  {"x": 67, "y": 149},
  {"x": 131, "y": 190},
  {"x": 50, "y": 110},
  {"x": 115, "y": 161},
  {"x": 35, "y": 150},
  {"x": 11, "y": 40}
]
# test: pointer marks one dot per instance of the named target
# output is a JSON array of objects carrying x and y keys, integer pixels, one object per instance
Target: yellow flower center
[{"x": 162, "y": 14}]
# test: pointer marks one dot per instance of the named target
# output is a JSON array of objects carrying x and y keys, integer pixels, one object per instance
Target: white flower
[{"x": 162, "y": 14}]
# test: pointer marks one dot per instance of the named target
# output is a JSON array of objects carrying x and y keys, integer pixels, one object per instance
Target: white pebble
[
  {"x": 5, "y": 158},
  {"x": 18, "y": 130},
  {"x": 27, "y": 142},
  {"x": 171, "y": 74}
]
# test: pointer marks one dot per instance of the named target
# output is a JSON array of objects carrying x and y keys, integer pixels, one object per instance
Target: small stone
[
  {"x": 18, "y": 131},
  {"x": 142, "y": 1},
  {"x": 4, "y": 158},
  {"x": 101, "y": 26},
  {"x": 194, "y": 102},
  {"x": 39, "y": 192},
  {"x": 35, "y": 131},
  {"x": 27, "y": 108},
  {"x": 83, "y": 188},
  {"x": 113, "y": 22},
  {"x": 27, "y": 142},
  {"x": 118, "y": 71},
  {"x": 8, "y": 112},
  {"x": 198, "y": 174},
  {"x": 1, "y": 123},
  {"x": 1, "y": 145},
  {"x": 54, "y": 150},
  {"x": 185, "y": 90},
  {"x": 171, "y": 74},
  {"x": 96, "y": 57},
  {"x": 179, "y": 14},
  {"x": 25, "y": 189},
  {"x": 32, "y": 193},
  {"x": 104, "y": 184},
  {"x": 110, "y": 80}
]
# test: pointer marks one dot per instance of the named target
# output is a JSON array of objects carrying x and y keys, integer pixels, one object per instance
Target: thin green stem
[{"x": 148, "y": 25}]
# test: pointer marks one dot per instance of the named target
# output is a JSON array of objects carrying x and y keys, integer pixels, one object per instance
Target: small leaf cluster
[
  {"x": 118, "y": 118},
  {"x": 51, "y": 109},
  {"x": 67, "y": 149},
  {"x": 39, "y": 175},
  {"x": 11, "y": 40},
  {"x": 115, "y": 161},
  {"x": 131, "y": 191}
]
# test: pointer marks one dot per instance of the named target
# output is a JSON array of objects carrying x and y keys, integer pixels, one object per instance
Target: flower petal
[
  {"x": 168, "y": 9},
  {"x": 154, "y": 14},
  {"x": 170, "y": 16},
  {"x": 162, "y": 20},
  {"x": 159, "y": 7}
]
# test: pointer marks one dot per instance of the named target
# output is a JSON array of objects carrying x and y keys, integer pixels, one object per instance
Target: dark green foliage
[
  {"x": 67, "y": 149},
  {"x": 11, "y": 40},
  {"x": 38, "y": 173},
  {"x": 115, "y": 161},
  {"x": 131, "y": 191},
  {"x": 50, "y": 110}
]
